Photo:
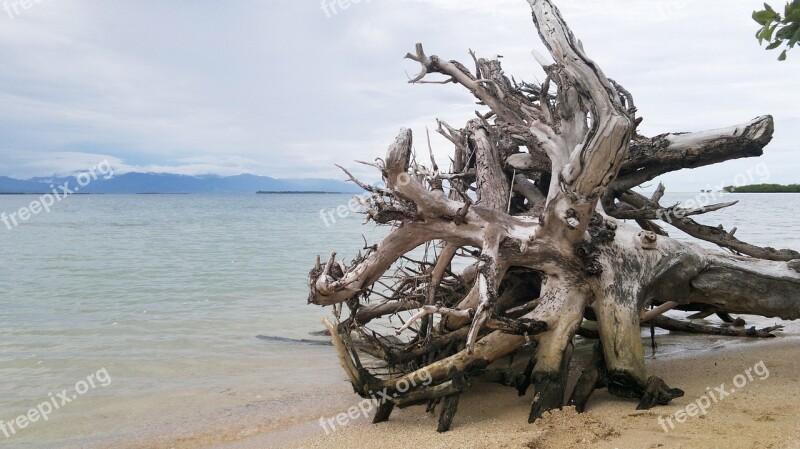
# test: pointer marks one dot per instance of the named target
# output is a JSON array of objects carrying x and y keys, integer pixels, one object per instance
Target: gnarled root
[
  {"x": 656, "y": 392},
  {"x": 554, "y": 352},
  {"x": 595, "y": 376},
  {"x": 672, "y": 324},
  {"x": 544, "y": 252},
  {"x": 449, "y": 406},
  {"x": 550, "y": 386}
]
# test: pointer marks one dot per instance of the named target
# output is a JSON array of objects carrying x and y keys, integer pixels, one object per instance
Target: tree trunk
[{"x": 552, "y": 166}]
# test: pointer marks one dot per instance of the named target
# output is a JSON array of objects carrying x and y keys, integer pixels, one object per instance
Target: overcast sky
[{"x": 285, "y": 89}]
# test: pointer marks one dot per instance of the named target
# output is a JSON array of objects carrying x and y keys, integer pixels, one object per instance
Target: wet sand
[{"x": 764, "y": 413}]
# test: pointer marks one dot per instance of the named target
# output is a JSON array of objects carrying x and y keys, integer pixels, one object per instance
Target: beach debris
[{"x": 536, "y": 233}]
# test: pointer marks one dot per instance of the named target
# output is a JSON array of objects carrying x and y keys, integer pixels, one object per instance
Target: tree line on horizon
[{"x": 764, "y": 188}]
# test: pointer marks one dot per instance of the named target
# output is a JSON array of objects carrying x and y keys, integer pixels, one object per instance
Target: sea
[{"x": 181, "y": 321}]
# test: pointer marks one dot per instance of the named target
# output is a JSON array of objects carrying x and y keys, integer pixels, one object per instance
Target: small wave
[{"x": 294, "y": 341}]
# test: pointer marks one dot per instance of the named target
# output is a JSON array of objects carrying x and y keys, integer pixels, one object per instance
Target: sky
[{"x": 288, "y": 88}]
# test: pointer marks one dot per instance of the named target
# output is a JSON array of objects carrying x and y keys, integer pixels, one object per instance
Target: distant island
[
  {"x": 290, "y": 192},
  {"x": 764, "y": 188}
]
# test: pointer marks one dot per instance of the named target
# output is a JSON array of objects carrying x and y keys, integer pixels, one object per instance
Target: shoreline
[
  {"x": 283, "y": 409},
  {"x": 765, "y": 413}
]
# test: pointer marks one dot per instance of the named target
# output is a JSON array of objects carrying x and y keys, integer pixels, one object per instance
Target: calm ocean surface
[{"x": 167, "y": 294}]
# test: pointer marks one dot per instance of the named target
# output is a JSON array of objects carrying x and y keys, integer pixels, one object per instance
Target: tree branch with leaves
[{"x": 776, "y": 29}]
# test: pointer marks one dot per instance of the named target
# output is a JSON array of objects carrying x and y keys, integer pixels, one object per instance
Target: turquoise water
[{"x": 167, "y": 294}]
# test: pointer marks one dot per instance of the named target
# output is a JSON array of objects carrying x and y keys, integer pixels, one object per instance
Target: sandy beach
[
  {"x": 763, "y": 413},
  {"x": 224, "y": 222}
]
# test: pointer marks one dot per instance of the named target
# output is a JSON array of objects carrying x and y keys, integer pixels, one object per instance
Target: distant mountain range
[{"x": 171, "y": 183}]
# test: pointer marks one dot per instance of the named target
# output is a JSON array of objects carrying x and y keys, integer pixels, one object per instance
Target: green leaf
[
  {"x": 795, "y": 38},
  {"x": 793, "y": 17},
  {"x": 774, "y": 45},
  {"x": 782, "y": 57},
  {"x": 768, "y": 31},
  {"x": 787, "y": 32},
  {"x": 764, "y": 17},
  {"x": 768, "y": 8}
]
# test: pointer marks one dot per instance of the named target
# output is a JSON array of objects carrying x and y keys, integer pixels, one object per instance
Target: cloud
[
  {"x": 275, "y": 87},
  {"x": 28, "y": 164}
]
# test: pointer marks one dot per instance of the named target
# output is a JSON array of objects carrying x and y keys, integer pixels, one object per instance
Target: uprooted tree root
[{"x": 537, "y": 198}]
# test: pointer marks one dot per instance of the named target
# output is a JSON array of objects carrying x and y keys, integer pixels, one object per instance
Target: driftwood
[{"x": 537, "y": 198}]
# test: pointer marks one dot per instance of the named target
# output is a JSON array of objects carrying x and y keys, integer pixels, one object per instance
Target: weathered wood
[
  {"x": 657, "y": 393},
  {"x": 449, "y": 407},
  {"x": 493, "y": 186},
  {"x": 681, "y": 326},
  {"x": 711, "y": 234},
  {"x": 592, "y": 378},
  {"x": 549, "y": 387},
  {"x": 424, "y": 395},
  {"x": 384, "y": 412},
  {"x": 542, "y": 243},
  {"x": 649, "y": 158}
]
